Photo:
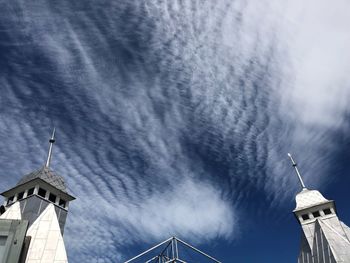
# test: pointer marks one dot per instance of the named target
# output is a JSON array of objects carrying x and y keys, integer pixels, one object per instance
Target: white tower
[
  {"x": 324, "y": 238},
  {"x": 40, "y": 200}
]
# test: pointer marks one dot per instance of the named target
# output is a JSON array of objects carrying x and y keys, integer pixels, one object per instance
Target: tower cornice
[{"x": 35, "y": 182}]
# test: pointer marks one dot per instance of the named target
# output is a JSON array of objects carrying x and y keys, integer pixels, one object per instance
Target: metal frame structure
[{"x": 169, "y": 252}]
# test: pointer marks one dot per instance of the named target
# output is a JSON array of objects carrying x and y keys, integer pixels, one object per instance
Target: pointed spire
[
  {"x": 51, "y": 141},
  {"x": 297, "y": 171}
]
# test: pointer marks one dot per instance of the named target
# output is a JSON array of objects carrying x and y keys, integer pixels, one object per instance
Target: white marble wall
[
  {"x": 47, "y": 244},
  {"x": 14, "y": 212}
]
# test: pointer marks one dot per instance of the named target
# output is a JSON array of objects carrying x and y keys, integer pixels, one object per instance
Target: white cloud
[
  {"x": 243, "y": 81},
  {"x": 186, "y": 209},
  {"x": 319, "y": 55}
]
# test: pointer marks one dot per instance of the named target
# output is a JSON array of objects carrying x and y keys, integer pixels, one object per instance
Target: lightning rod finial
[
  {"x": 51, "y": 142},
  {"x": 297, "y": 171}
]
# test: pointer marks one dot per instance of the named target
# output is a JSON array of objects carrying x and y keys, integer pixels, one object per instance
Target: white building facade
[
  {"x": 39, "y": 203},
  {"x": 324, "y": 238}
]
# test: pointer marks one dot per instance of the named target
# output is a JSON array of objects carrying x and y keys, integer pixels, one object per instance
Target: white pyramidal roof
[
  {"x": 47, "y": 242},
  {"x": 307, "y": 198},
  {"x": 337, "y": 240},
  {"x": 14, "y": 212}
]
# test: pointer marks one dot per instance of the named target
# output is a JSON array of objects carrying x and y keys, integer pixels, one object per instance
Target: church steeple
[
  {"x": 324, "y": 237},
  {"x": 42, "y": 184},
  {"x": 40, "y": 199}
]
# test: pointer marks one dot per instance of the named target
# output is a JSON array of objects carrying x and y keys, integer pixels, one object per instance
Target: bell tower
[
  {"x": 324, "y": 238},
  {"x": 41, "y": 200}
]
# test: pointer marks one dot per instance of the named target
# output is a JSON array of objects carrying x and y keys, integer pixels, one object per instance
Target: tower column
[{"x": 39, "y": 201}]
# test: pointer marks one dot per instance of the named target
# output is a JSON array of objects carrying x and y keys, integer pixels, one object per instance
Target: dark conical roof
[{"x": 48, "y": 176}]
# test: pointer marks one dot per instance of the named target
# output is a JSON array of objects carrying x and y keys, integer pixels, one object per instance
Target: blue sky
[{"x": 175, "y": 118}]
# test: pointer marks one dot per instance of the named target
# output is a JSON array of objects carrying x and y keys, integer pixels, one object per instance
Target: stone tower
[
  {"x": 38, "y": 204},
  {"x": 324, "y": 238}
]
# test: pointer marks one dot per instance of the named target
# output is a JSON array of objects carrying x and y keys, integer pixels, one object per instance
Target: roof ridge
[{"x": 335, "y": 231}]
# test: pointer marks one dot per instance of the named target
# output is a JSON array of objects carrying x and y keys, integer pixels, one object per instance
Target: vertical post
[
  {"x": 173, "y": 248},
  {"x": 176, "y": 249},
  {"x": 51, "y": 141}
]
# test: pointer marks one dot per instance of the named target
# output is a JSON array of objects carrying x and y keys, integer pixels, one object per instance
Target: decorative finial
[
  {"x": 51, "y": 141},
  {"x": 297, "y": 171}
]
